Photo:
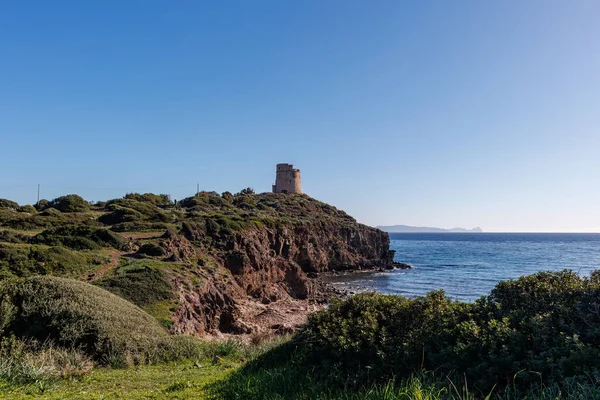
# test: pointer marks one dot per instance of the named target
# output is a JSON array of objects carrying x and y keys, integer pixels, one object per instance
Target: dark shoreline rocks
[{"x": 400, "y": 265}]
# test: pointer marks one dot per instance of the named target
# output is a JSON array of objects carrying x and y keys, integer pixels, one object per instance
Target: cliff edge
[{"x": 211, "y": 263}]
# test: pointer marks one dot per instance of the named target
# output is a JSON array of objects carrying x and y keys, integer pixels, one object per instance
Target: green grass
[
  {"x": 19, "y": 259},
  {"x": 144, "y": 283},
  {"x": 228, "y": 380},
  {"x": 162, "y": 311},
  {"x": 265, "y": 371},
  {"x": 168, "y": 381}
]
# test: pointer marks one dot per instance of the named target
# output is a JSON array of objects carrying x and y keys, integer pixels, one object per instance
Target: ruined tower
[{"x": 287, "y": 179}]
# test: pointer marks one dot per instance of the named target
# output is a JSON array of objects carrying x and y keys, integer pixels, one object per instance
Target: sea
[{"x": 468, "y": 265}]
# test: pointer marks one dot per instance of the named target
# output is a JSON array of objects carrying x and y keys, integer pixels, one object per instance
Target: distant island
[{"x": 423, "y": 229}]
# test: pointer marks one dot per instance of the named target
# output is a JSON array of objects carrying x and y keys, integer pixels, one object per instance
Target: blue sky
[{"x": 462, "y": 113}]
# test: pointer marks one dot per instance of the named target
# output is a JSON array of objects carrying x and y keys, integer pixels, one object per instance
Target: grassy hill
[{"x": 172, "y": 259}]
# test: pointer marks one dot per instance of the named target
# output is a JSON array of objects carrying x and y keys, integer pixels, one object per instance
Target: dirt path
[
  {"x": 142, "y": 235},
  {"x": 103, "y": 269}
]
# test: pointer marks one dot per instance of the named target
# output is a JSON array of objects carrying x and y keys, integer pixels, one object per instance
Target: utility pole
[{"x": 38, "y": 202}]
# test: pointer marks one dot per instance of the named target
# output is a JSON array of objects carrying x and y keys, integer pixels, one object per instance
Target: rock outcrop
[{"x": 269, "y": 265}]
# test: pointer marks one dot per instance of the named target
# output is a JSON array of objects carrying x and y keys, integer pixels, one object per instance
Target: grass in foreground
[
  {"x": 184, "y": 380},
  {"x": 270, "y": 370}
]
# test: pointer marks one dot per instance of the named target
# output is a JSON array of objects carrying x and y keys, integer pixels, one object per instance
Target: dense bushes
[
  {"x": 129, "y": 210},
  {"x": 9, "y": 236},
  {"x": 545, "y": 326},
  {"x": 41, "y": 205},
  {"x": 80, "y": 238},
  {"x": 70, "y": 203},
  {"x": 142, "y": 283},
  {"x": 19, "y": 260},
  {"x": 28, "y": 208},
  {"x": 152, "y": 250},
  {"x": 4, "y": 203},
  {"x": 156, "y": 199},
  {"x": 73, "y": 313}
]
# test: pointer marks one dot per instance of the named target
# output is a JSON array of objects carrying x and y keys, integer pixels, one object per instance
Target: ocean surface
[{"x": 468, "y": 265}]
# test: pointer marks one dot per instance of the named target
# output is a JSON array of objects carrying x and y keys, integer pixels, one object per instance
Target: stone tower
[{"x": 287, "y": 179}]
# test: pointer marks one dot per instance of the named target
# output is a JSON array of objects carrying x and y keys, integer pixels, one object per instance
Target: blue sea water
[{"x": 468, "y": 266}]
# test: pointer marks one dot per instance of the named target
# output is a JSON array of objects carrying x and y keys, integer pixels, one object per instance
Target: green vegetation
[
  {"x": 535, "y": 337},
  {"x": 130, "y": 210},
  {"x": 74, "y": 313},
  {"x": 46, "y": 374},
  {"x": 27, "y": 209},
  {"x": 69, "y": 203},
  {"x": 80, "y": 238},
  {"x": 5, "y": 203},
  {"x": 145, "y": 284},
  {"x": 152, "y": 250},
  {"x": 18, "y": 260},
  {"x": 156, "y": 199},
  {"x": 523, "y": 341}
]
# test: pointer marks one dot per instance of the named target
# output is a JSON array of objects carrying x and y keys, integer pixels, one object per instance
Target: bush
[
  {"x": 248, "y": 191},
  {"x": 17, "y": 260},
  {"x": 13, "y": 237},
  {"x": 152, "y": 250},
  {"x": 156, "y": 199},
  {"x": 31, "y": 363},
  {"x": 129, "y": 210},
  {"x": 141, "y": 283},
  {"x": 50, "y": 212},
  {"x": 227, "y": 196},
  {"x": 75, "y": 314},
  {"x": 138, "y": 226},
  {"x": 41, "y": 205},
  {"x": 546, "y": 324},
  {"x": 4, "y": 203},
  {"x": 27, "y": 209},
  {"x": 70, "y": 203},
  {"x": 80, "y": 238}
]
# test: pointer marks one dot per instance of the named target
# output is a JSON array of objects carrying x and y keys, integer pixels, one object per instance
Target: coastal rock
[
  {"x": 269, "y": 265},
  {"x": 400, "y": 265}
]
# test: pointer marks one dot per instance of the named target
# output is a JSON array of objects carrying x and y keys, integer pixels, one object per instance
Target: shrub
[
  {"x": 50, "y": 212},
  {"x": 4, "y": 203},
  {"x": 227, "y": 196},
  {"x": 31, "y": 363},
  {"x": 247, "y": 191},
  {"x": 73, "y": 313},
  {"x": 245, "y": 201},
  {"x": 70, "y": 203},
  {"x": 151, "y": 249},
  {"x": 13, "y": 237},
  {"x": 545, "y": 323},
  {"x": 129, "y": 210},
  {"x": 80, "y": 238},
  {"x": 41, "y": 205},
  {"x": 141, "y": 283},
  {"x": 156, "y": 199},
  {"x": 138, "y": 226},
  {"x": 27, "y": 209},
  {"x": 17, "y": 260}
]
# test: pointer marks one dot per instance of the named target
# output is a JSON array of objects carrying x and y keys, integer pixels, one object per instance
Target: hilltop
[{"x": 208, "y": 264}]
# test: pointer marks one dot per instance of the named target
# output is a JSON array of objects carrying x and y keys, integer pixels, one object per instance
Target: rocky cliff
[
  {"x": 235, "y": 263},
  {"x": 271, "y": 257}
]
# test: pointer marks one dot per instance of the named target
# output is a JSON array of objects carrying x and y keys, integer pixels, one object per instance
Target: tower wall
[{"x": 287, "y": 179}]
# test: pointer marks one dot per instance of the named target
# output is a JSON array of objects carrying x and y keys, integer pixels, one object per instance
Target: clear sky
[{"x": 435, "y": 113}]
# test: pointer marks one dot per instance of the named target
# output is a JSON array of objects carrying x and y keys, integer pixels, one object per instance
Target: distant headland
[{"x": 424, "y": 229}]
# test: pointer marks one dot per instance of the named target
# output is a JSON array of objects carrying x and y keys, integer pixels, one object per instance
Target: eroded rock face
[{"x": 266, "y": 265}]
